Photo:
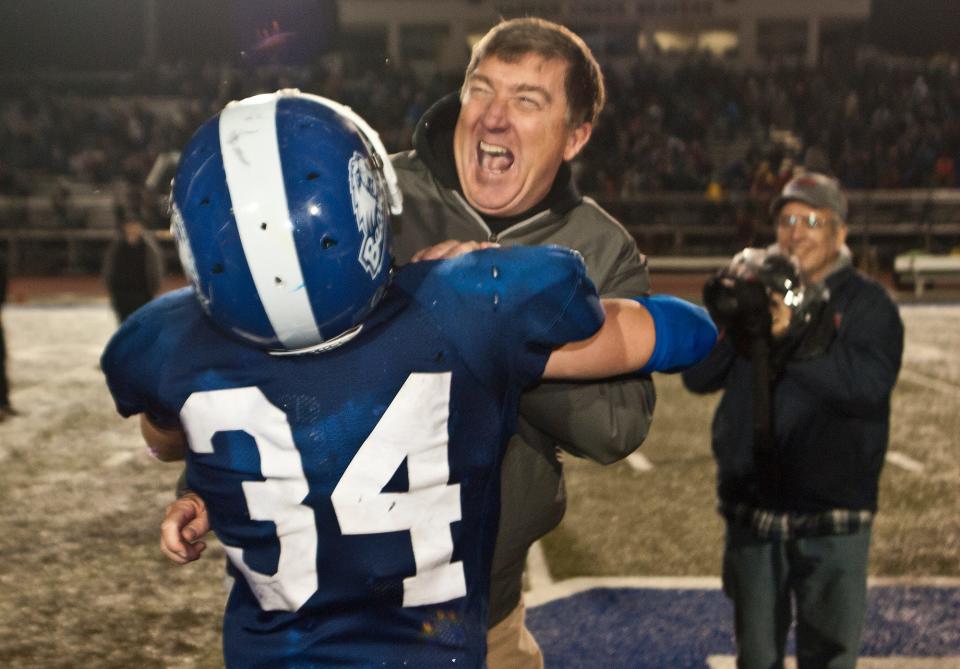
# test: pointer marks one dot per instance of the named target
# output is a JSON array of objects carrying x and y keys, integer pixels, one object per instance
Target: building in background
[{"x": 744, "y": 32}]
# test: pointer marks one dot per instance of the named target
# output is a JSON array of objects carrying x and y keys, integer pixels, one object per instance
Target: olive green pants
[{"x": 822, "y": 579}]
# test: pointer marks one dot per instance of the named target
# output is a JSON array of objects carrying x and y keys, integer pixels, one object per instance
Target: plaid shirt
[{"x": 786, "y": 525}]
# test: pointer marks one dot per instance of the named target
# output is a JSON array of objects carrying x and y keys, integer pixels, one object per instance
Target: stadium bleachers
[{"x": 686, "y": 156}]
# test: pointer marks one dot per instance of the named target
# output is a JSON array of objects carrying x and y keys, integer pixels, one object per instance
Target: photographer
[{"x": 807, "y": 361}]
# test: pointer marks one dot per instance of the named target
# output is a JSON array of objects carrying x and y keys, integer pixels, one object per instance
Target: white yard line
[
  {"x": 572, "y": 586},
  {"x": 117, "y": 459},
  {"x": 929, "y": 382},
  {"x": 913, "y": 581},
  {"x": 538, "y": 571},
  {"x": 566, "y": 588},
  {"x": 904, "y": 462},
  {"x": 936, "y": 385},
  {"x": 730, "y": 662},
  {"x": 639, "y": 462}
]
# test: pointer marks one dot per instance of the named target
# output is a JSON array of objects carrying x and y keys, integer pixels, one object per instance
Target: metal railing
[{"x": 882, "y": 224}]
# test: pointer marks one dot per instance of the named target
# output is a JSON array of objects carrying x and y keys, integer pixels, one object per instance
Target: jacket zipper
[{"x": 491, "y": 236}]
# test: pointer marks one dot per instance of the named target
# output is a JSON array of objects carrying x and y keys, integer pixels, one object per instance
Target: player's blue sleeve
[
  {"x": 511, "y": 307},
  {"x": 134, "y": 358},
  {"x": 552, "y": 300},
  {"x": 685, "y": 333},
  {"x": 546, "y": 292}
]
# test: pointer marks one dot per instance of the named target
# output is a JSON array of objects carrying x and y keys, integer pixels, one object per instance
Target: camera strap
[{"x": 764, "y": 453}]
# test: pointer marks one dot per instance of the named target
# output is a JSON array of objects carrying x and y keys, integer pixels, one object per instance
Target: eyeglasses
[{"x": 811, "y": 220}]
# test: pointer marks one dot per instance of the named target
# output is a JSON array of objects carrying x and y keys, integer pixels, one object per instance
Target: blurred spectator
[
  {"x": 765, "y": 183},
  {"x": 6, "y": 410},
  {"x": 667, "y": 127},
  {"x": 944, "y": 172},
  {"x": 746, "y": 227},
  {"x": 132, "y": 268},
  {"x": 800, "y": 432},
  {"x": 11, "y": 182},
  {"x": 64, "y": 213}
]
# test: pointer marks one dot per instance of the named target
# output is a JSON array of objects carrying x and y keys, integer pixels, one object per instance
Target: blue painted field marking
[{"x": 679, "y": 628}]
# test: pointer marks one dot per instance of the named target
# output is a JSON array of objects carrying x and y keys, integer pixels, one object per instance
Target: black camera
[
  {"x": 731, "y": 299},
  {"x": 738, "y": 297}
]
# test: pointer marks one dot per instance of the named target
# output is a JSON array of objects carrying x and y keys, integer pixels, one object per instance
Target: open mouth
[{"x": 494, "y": 158}]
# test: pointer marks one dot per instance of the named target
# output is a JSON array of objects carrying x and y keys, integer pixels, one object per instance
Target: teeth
[{"x": 493, "y": 149}]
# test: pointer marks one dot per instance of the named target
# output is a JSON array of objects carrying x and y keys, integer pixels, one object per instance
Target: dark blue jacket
[{"x": 831, "y": 413}]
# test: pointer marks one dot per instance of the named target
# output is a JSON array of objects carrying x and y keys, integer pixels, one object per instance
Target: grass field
[
  {"x": 83, "y": 584},
  {"x": 662, "y": 521}
]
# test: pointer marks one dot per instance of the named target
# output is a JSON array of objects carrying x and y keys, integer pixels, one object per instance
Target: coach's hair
[{"x": 513, "y": 39}]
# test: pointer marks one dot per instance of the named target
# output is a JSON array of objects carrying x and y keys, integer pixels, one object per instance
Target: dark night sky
[
  {"x": 83, "y": 34},
  {"x": 916, "y": 27},
  {"x": 107, "y": 34}
]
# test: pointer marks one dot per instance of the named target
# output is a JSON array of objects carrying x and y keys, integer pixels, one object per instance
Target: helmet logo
[
  {"x": 365, "y": 194},
  {"x": 183, "y": 249}
]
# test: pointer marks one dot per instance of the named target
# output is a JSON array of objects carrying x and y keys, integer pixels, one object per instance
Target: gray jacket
[{"x": 601, "y": 421}]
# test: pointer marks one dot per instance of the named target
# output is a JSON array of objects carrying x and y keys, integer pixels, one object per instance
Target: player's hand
[
  {"x": 183, "y": 526},
  {"x": 450, "y": 248}
]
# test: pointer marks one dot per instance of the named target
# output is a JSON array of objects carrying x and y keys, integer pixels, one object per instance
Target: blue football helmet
[{"x": 280, "y": 208}]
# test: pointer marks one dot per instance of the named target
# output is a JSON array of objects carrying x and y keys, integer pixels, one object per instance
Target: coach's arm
[{"x": 603, "y": 420}]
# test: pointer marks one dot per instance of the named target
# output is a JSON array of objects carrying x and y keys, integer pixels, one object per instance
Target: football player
[{"x": 344, "y": 422}]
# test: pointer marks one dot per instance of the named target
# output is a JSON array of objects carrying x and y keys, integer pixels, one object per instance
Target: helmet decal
[
  {"x": 183, "y": 245},
  {"x": 370, "y": 216}
]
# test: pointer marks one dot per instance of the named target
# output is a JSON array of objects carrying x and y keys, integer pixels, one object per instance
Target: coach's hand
[
  {"x": 450, "y": 248},
  {"x": 183, "y": 526}
]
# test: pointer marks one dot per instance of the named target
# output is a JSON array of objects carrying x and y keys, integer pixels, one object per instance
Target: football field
[{"x": 630, "y": 578}]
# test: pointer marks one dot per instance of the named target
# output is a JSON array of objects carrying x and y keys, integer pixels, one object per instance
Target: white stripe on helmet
[{"x": 251, "y": 160}]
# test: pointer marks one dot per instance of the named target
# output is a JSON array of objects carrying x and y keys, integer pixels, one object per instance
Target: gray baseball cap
[{"x": 816, "y": 190}]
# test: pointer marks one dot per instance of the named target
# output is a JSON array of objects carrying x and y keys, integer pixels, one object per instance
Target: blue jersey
[{"x": 356, "y": 489}]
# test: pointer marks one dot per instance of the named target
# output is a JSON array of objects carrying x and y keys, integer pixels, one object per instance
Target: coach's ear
[
  {"x": 577, "y": 138},
  {"x": 165, "y": 444}
]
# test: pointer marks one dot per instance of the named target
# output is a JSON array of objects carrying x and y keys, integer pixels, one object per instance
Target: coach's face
[
  {"x": 512, "y": 134},
  {"x": 815, "y": 246}
]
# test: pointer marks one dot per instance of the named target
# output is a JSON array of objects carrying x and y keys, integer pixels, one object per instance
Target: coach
[
  {"x": 491, "y": 164},
  {"x": 798, "y": 513}
]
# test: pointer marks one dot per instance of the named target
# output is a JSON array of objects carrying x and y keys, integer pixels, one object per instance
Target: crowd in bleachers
[
  {"x": 699, "y": 126},
  {"x": 114, "y": 129},
  {"x": 873, "y": 125}
]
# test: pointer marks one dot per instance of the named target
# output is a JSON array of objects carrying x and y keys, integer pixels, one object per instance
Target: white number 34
[{"x": 413, "y": 428}]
